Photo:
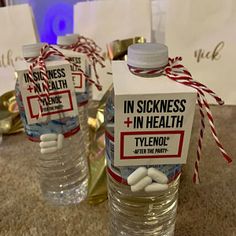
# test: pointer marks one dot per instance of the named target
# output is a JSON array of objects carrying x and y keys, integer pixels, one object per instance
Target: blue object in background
[
  {"x": 53, "y": 17},
  {"x": 58, "y": 20}
]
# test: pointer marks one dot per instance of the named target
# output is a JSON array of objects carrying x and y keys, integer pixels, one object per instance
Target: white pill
[
  {"x": 48, "y": 144},
  {"x": 155, "y": 187},
  {"x": 60, "y": 140},
  {"x": 48, "y": 137},
  {"x": 48, "y": 150},
  {"x": 157, "y": 176},
  {"x": 137, "y": 175},
  {"x": 141, "y": 184}
]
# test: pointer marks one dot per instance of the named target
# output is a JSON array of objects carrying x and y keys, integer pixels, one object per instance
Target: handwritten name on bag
[
  {"x": 210, "y": 55},
  {"x": 8, "y": 59}
]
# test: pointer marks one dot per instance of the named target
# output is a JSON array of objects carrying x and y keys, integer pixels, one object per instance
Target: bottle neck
[{"x": 147, "y": 72}]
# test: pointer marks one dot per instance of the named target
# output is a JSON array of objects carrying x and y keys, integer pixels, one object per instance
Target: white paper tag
[
  {"x": 153, "y": 119},
  {"x": 80, "y": 60},
  {"x": 62, "y": 99}
]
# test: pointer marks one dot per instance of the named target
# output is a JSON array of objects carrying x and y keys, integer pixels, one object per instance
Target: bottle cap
[
  {"x": 32, "y": 50},
  {"x": 147, "y": 55},
  {"x": 67, "y": 39}
]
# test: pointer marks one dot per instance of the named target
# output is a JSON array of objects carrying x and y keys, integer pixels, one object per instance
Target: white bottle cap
[
  {"x": 32, "y": 50},
  {"x": 67, "y": 39},
  {"x": 147, "y": 55}
]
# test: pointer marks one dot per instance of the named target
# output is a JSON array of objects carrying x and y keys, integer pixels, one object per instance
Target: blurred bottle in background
[{"x": 65, "y": 45}]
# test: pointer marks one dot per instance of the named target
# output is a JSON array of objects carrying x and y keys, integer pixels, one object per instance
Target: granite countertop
[{"x": 208, "y": 209}]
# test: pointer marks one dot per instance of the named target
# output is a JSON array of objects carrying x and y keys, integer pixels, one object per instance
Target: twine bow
[
  {"x": 91, "y": 49},
  {"x": 177, "y": 72},
  {"x": 45, "y": 52}
]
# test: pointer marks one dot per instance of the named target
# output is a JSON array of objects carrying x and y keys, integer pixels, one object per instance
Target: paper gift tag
[
  {"x": 153, "y": 119},
  {"x": 204, "y": 34},
  {"x": 80, "y": 60},
  {"x": 106, "y": 21},
  {"x": 62, "y": 100},
  {"x": 16, "y": 31}
]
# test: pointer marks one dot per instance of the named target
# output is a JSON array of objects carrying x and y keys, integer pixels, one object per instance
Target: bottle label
[
  {"x": 153, "y": 119},
  {"x": 44, "y": 101},
  {"x": 120, "y": 174}
]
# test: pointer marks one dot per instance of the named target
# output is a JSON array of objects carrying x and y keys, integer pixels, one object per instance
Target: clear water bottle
[
  {"x": 63, "y": 174},
  {"x": 138, "y": 213},
  {"x": 81, "y": 97}
]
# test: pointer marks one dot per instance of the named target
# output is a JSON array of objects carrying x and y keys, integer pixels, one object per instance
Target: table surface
[{"x": 206, "y": 209}]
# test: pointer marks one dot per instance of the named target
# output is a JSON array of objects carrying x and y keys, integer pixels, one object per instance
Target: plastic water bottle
[
  {"x": 138, "y": 213},
  {"x": 63, "y": 174},
  {"x": 81, "y": 97}
]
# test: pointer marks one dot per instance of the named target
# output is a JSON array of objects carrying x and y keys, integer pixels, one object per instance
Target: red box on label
[
  {"x": 80, "y": 79},
  {"x": 143, "y": 133},
  {"x": 69, "y": 108}
]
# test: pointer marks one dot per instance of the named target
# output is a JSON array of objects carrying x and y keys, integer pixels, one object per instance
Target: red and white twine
[
  {"x": 91, "y": 50},
  {"x": 177, "y": 72}
]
